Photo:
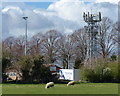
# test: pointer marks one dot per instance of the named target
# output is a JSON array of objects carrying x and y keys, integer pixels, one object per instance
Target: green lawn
[{"x": 89, "y": 88}]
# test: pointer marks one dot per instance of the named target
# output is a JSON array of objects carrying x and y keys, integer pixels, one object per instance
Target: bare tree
[
  {"x": 80, "y": 39},
  {"x": 19, "y": 47},
  {"x": 105, "y": 38},
  {"x": 35, "y": 44},
  {"x": 66, "y": 47},
  {"x": 116, "y": 31},
  {"x": 49, "y": 45},
  {"x": 8, "y": 43}
]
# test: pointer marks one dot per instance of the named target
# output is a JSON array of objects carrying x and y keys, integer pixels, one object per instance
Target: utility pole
[
  {"x": 25, "y": 18},
  {"x": 92, "y": 31}
]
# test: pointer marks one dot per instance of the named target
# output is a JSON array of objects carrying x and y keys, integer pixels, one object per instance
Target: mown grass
[{"x": 89, "y": 88}]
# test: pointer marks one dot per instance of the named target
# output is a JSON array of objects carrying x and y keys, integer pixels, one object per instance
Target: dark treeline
[{"x": 54, "y": 46}]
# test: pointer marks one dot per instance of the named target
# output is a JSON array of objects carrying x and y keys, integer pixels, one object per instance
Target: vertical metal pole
[
  {"x": 26, "y": 37},
  {"x": 25, "y": 18}
]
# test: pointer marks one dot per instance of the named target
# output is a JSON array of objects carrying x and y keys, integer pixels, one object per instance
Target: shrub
[
  {"x": 33, "y": 70},
  {"x": 106, "y": 73},
  {"x": 115, "y": 70},
  {"x": 25, "y": 64}
]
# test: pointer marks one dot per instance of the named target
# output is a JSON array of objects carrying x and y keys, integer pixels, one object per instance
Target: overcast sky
[{"x": 62, "y": 15}]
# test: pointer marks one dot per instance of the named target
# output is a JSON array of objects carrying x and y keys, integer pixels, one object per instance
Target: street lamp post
[{"x": 25, "y": 18}]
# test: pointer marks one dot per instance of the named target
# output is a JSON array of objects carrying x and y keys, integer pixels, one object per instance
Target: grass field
[{"x": 89, "y": 88}]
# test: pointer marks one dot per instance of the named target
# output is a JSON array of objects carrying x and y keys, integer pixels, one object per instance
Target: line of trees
[{"x": 55, "y": 46}]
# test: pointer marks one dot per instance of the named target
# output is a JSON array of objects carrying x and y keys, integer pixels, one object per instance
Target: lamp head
[{"x": 25, "y": 17}]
